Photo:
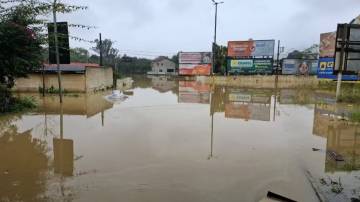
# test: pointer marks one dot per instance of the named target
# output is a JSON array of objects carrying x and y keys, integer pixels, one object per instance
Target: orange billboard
[
  {"x": 327, "y": 44},
  {"x": 240, "y": 48},
  {"x": 256, "y": 48},
  {"x": 194, "y": 69}
]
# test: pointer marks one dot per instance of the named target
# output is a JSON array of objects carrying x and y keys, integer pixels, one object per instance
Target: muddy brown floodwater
[{"x": 181, "y": 141}]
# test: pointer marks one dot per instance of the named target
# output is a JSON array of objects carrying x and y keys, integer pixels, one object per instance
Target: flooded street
[{"x": 176, "y": 140}]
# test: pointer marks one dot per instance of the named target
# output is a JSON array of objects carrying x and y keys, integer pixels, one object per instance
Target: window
[
  {"x": 170, "y": 70},
  {"x": 160, "y": 70}
]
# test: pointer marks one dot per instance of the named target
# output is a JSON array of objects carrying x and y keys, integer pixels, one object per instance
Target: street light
[{"x": 213, "y": 48}]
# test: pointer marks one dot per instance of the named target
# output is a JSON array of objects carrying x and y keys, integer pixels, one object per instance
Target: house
[
  {"x": 163, "y": 66},
  {"x": 76, "y": 77}
]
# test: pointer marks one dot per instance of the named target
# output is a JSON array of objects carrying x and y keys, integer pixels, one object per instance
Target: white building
[{"x": 163, "y": 66}]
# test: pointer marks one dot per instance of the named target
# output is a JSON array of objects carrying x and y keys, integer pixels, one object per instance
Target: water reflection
[
  {"x": 23, "y": 165},
  {"x": 194, "y": 92},
  {"x": 180, "y": 138},
  {"x": 342, "y": 137}
]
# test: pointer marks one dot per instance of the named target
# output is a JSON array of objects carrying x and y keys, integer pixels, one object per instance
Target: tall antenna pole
[
  {"x": 215, "y": 33},
  {"x": 57, "y": 51}
]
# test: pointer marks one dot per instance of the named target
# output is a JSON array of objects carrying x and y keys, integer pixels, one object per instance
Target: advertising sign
[
  {"x": 195, "y": 63},
  {"x": 261, "y": 48},
  {"x": 194, "y": 69},
  {"x": 326, "y": 70},
  {"x": 251, "y": 66},
  {"x": 327, "y": 44},
  {"x": 195, "y": 58},
  {"x": 299, "y": 67},
  {"x": 63, "y": 43}
]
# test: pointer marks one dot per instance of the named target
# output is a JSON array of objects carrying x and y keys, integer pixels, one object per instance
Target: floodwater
[{"x": 175, "y": 140}]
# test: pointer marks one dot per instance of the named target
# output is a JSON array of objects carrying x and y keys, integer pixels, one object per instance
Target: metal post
[{"x": 57, "y": 51}]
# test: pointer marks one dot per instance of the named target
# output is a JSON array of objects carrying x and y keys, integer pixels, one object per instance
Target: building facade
[
  {"x": 163, "y": 66},
  {"x": 75, "y": 77}
]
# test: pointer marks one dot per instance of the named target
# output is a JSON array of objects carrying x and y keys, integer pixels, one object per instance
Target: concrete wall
[
  {"x": 98, "y": 78},
  {"x": 70, "y": 82},
  {"x": 94, "y": 79},
  {"x": 263, "y": 81}
]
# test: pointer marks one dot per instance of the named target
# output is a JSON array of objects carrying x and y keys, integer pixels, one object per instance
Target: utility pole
[
  {"x": 342, "y": 62},
  {"x": 57, "y": 51},
  {"x": 214, "y": 44},
  {"x": 101, "y": 54}
]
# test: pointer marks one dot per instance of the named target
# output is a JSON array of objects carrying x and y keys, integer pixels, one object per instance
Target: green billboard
[{"x": 250, "y": 66}]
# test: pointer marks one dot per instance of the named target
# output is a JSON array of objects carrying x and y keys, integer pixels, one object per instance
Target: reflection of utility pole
[
  {"x": 275, "y": 100},
  {"x": 214, "y": 44},
  {"x": 57, "y": 50},
  {"x": 102, "y": 118},
  {"x": 212, "y": 126}
]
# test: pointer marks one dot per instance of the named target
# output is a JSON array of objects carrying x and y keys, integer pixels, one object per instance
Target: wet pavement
[{"x": 176, "y": 140}]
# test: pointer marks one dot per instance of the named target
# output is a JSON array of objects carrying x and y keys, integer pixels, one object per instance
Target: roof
[
  {"x": 72, "y": 67},
  {"x": 161, "y": 58}
]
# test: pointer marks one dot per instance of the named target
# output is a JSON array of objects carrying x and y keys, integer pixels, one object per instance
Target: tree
[
  {"x": 108, "y": 51},
  {"x": 79, "y": 55},
  {"x": 309, "y": 53},
  {"x": 20, "y": 50},
  {"x": 220, "y": 59},
  {"x": 25, "y": 15}
]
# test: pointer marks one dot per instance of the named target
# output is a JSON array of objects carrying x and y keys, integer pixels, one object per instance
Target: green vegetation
[
  {"x": 220, "y": 59},
  {"x": 309, "y": 53},
  {"x": 51, "y": 90},
  {"x": 355, "y": 116}
]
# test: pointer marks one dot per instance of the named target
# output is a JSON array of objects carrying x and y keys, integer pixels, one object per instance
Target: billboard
[
  {"x": 299, "y": 67},
  {"x": 250, "y": 66},
  {"x": 195, "y": 58},
  {"x": 327, "y": 44},
  {"x": 326, "y": 70},
  {"x": 63, "y": 43},
  {"x": 194, "y": 69},
  {"x": 195, "y": 63},
  {"x": 260, "y": 48}
]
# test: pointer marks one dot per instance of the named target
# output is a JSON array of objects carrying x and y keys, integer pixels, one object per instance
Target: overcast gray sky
[{"x": 165, "y": 27}]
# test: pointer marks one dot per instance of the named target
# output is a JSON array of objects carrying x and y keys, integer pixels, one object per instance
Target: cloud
[{"x": 168, "y": 26}]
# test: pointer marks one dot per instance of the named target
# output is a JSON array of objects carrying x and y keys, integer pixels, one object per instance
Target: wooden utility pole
[{"x": 57, "y": 51}]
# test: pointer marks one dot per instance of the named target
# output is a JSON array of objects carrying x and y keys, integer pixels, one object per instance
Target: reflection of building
[
  {"x": 163, "y": 66},
  {"x": 76, "y": 77},
  {"x": 83, "y": 104},
  {"x": 194, "y": 92},
  {"x": 163, "y": 84},
  {"x": 343, "y": 140}
]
